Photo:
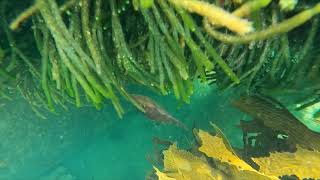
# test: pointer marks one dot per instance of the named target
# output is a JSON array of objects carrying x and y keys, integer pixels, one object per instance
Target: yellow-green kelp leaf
[
  {"x": 303, "y": 163},
  {"x": 183, "y": 165},
  {"x": 214, "y": 147}
]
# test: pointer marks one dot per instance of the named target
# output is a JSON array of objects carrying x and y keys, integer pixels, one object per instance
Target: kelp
[
  {"x": 274, "y": 115},
  {"x": 180, "y": 164},
  {"x": 90, "y": 50},
  {"x": 293, "y": 162},
  {"x": 226, "y": 164}
]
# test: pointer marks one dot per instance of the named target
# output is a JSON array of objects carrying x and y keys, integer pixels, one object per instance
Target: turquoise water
[{"x": 88, "y": 144}]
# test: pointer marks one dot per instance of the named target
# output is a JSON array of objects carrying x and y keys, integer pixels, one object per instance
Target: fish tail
[
  {"x": 183, "y": 126},
  {"x": 180, "y": 124}
]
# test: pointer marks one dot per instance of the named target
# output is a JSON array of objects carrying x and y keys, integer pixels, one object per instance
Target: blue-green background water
[{"x": 88, "y": 144}]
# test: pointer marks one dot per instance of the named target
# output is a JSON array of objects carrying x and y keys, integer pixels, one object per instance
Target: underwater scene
[{"x": 159, "y": 90}]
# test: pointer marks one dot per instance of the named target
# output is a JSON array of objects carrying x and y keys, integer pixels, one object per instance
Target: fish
[
  {"x": 155, "y": 112},
  {"x": 278, "y": 117}
]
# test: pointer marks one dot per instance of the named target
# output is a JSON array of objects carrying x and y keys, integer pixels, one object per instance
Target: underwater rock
[{"x": 278, "y": 118}]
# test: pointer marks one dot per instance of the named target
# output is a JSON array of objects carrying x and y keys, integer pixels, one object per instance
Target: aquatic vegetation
[
  {"x": 291, "y": 163},
  {"x": 90, "y": 50},
  {"x": 216, "y": 15},
  {"x": 288, "y": 5},
  {"x": 78, "y": 52},
  {"x": 226, "y": 164},
  {"x": 272, "y": 114}
]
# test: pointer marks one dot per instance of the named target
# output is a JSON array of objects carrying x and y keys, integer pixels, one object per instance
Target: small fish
[{"x": 155, "y": 112}]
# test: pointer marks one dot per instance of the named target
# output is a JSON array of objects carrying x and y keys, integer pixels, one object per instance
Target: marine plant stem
[{"x": 271, "y": 31}]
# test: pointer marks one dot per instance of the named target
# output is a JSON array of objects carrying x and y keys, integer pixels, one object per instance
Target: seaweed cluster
[
  {"x": 77, "y": 51},
  {"x": 213, "y": 158}
]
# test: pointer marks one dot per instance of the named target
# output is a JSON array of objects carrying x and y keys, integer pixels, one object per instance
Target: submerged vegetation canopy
[{"x": 73, "y": 51}]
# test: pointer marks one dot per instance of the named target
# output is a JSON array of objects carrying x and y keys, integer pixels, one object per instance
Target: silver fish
[{"x": 155, "y": 112}]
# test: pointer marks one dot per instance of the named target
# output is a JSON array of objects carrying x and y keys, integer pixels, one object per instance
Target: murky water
[{"x": 89, "y": 144}]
